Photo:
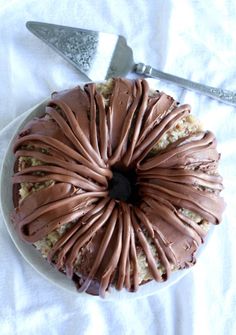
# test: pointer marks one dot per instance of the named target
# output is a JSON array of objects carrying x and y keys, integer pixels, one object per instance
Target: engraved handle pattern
[{"x": 224, "y": 96}]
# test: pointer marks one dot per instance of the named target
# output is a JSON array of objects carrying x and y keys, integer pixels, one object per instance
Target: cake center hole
[{"x": 123, "y": 186}]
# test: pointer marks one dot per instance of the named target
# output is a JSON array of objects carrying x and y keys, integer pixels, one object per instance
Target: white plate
[{"x": 33, "y": 257}]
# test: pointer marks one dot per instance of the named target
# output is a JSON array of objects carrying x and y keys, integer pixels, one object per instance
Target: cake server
[{"x": 101, "y": 56}]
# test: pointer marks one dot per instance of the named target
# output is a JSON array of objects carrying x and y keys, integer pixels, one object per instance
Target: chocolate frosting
[{"x": 80, "y": 141}]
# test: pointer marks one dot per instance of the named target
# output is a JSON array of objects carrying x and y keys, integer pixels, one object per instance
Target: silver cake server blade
[
  {"x": 96, "y": 54},
  {"x": 101, "y": 56}
]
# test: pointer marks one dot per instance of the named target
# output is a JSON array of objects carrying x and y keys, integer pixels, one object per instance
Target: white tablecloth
[{"x": 192, "y": 39}]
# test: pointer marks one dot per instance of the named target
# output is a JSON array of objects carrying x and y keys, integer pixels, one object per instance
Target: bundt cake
[{"x": 116, "y": 185}]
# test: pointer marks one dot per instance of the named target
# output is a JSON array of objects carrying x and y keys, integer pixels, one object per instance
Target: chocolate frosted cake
[{"x": 116, "y": 185}]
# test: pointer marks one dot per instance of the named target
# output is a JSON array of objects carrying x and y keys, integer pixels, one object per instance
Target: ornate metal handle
[{"x": 224, "y": 96}]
